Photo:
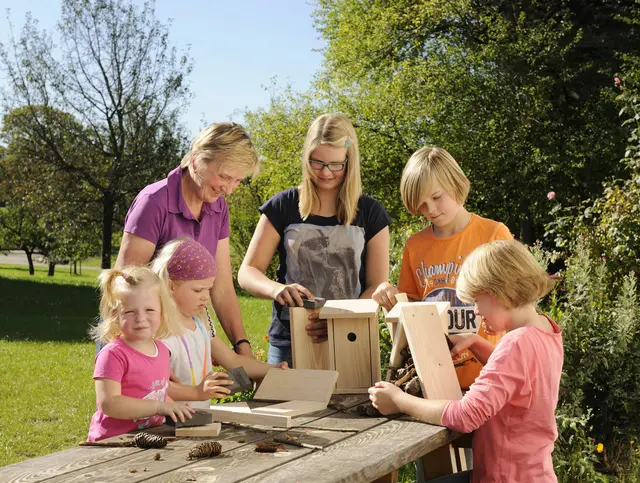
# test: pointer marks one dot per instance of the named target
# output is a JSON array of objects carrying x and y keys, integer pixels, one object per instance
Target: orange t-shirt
[{"x": 430, "y": 266}]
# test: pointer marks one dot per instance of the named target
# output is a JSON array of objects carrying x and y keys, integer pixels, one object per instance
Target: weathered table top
[{"x": 354, "y": 448}]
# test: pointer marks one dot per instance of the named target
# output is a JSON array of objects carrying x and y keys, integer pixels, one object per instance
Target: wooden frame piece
[
  {"x": 241, "y": 413},
  {"x": 207, "y": 430},
  {"x": 297, "y": 385}
]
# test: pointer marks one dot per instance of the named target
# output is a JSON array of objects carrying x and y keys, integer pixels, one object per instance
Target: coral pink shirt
[{"x": 511, "y": 406}]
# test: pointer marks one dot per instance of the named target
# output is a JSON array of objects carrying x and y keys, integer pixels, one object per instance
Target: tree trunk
[
  {"x": 526, "y": 225},
  {"x": 52, "y": 269},
  {"x": 107, "y": 228},
  {"x": 30, "y": 260},
  {"x": 75, "y": 268}
]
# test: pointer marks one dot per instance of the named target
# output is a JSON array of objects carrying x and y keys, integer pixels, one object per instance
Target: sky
[{"x": 237, "y": 47}]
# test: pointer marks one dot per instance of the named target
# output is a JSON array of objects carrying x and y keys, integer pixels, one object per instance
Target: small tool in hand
[
  {"x": 316, "y": 303},
  {"x": 241, "y": 381}
]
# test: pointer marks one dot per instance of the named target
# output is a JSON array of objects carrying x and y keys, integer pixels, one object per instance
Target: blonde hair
[
  {"x": 505, "y": 269},
  {"x": 114, "y": 284},
  {"x": 223, "y": 143},
  {"x": 425, "y": 166},
  {"x": 333, "y": 130},
  {"x": 160, "y": 266}
]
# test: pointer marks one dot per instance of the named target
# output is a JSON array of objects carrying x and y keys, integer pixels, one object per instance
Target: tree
[{"x": 121, "y": 88}]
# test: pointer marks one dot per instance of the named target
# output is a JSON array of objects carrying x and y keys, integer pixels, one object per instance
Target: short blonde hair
[
  {"x": 114, "y": 284},
  {"x": 505, "y": 269},
  {"x": 333, "y": 130},
  {"x": 225, "y": 143},
  {"x": 426, "y": 166}
]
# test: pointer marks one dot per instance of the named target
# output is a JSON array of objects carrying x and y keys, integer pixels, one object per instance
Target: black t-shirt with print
[{"x": 320, "y": 253}]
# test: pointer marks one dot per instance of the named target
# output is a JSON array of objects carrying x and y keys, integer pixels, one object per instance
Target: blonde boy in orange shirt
[{"x": 434, "y": 185}]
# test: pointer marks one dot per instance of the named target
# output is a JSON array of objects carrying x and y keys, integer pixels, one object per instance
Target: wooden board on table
[
  {"x": 291, "y": 408},
  {"x": 297, "y": 385},
  {"x": 306, "y": 354},
  {"x": 347, "y": 309},
  {"x": 241, "y": 413},
  {"x": 422, "y": 325},
  {"x": 207, "y": 430}
]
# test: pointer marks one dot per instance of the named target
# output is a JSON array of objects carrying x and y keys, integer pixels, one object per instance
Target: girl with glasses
[{"x": 333, "y": 241}]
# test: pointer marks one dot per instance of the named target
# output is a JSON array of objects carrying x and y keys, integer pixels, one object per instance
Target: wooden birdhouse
[{"x": 352, "y": 348}]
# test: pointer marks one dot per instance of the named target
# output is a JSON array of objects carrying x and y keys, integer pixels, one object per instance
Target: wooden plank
[
  {"x": 374, "y": 341},
  {"x": 207, "y": 430},
  {"x": 297, "y": 385},
  {"x": 292, "y": 408},
  {"x": 352, "y": 355},
  {"x": 438, "y": 463},
  {"x": 306, "y": 354},
  {"x": 341, "y": 309},
  {"x": 423, "y": 327},
  {"x": 364, "y": 457},
  {"x": 240, "y": 412},
  {"x": 392, "y": 317}
]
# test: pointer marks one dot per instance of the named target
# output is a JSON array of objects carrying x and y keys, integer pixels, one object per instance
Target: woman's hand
[
  {"x": 291, "y": 295},
  {"x": 317, "y": 328},
  {"x": 386, "y": 397},
  {"x": 175, "y": 411},
  {"x": 385, "y": 295},
  {"x": 213, "y": 386}
]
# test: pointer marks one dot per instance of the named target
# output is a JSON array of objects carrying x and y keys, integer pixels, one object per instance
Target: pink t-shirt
[
  {"x": 140, "y": 376},
  {"x": 511, "y": 406}
]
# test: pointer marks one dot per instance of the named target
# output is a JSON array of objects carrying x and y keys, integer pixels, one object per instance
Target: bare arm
[
  {"x": 230, "y": 360},
  {"x": 134, "y": 250},
  {"x": 212, "y": 386},
  {"x": 480, "y": 347},
  {"x": 251, "y": 275},
  {"x": 390, "y": 399},
  {"x": 225, "y": 301},
  {"x": 114, "y": 404},
  {"x": 377, "y": 262}
]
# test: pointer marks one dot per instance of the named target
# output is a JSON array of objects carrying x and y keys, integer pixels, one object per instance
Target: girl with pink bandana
[{"x": 188, "y": 271}]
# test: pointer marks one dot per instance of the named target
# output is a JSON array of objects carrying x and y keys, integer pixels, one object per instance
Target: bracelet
[{"x": 241, "y": 341}]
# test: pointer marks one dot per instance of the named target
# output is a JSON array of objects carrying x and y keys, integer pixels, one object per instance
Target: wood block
[
  {"x": 346, "y": 309},
  {"x": 208, "y": 430},
  {"x": 422, "y": 324},
  {"x": 291, "y": 408},
  {"x": 392, "y": 317},
  {"x": 374, "y": 340},
  {"x": 306, "y": 354},
  {"x": 353, "y": 355},
  {"x": 242, "y": 413},
  {"x": 297, "y": 385}
]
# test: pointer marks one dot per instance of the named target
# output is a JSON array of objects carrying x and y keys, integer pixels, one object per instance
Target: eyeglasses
[{"x": 319, "y": 165}]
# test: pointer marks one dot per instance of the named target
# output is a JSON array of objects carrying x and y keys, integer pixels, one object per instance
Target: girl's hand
[
  {"x": 385, "y": 295},
  {"x": 282, "y": 365},
  {"x": 386, "y": 397},
  {"x": 461, "y": 342},
  {"x": 317, "y": 328},
  {"x": 175, "y": 411},
  {"x": 212, "y": 386},
  {"x": 291, "y": 295}
]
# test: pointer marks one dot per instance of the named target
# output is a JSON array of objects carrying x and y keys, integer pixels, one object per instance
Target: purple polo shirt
[{"x": 159, "y": 214}]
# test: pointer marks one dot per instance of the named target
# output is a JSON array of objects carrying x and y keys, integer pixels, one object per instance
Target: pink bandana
[{"x": 191, "y": 261}]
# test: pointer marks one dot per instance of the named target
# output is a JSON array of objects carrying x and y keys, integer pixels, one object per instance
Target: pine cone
[
  {"x": 208, "y": 449},
  {"x": 369, "y": 411},
  {"x": 269, "y": 447},
  {"x": 413, "y": 387},
  {"x": 147, "y": 441}
]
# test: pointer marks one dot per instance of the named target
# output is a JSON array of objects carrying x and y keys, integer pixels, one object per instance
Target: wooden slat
[
  {"x": 208, "y": 430},
  {"x": 240, "y": 412},
  {"x": 339, "y": 309},
  {"x": 423, "y": 327},
  {"x": 292, "y": 408},
  {"x": 297, "y": 385},
  {"x": 306, "y": 354},
  {"x": 364, "y": 457}
]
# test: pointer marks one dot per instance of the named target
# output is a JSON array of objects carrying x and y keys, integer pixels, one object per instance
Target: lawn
[{"x": 46, "y": 392}]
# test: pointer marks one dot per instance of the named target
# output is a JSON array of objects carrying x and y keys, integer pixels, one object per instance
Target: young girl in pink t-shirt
[
  {"x": 512, "y": 402},
  {"x": 132, "y": 371}
]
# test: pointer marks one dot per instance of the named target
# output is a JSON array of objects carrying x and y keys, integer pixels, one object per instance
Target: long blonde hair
[
  {"x": 334, "y": 130},
  {"x": 505, "y": 269},
  {"x": 226, "y": 144},
  {"x": 114, "y": 284}
]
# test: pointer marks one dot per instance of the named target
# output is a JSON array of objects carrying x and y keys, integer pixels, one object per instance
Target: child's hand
[
  {"x": 385, "y": 295},
  {"x": 175, "y": 411},
  {"x": 212, "y": 386},
  {"x": 385, "y": 397},
  {"x": 461, "y": 342},
  {"x": 282, "y": 365},
  {"x": 317, "y": 328}
]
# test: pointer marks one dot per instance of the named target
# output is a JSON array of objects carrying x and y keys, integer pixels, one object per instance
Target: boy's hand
[
  {"x": 461, "y": 342},
  {"x": 175, "y": 411},
  {"x": 385, "y": 295},
  {"x": 212, "y": 386},
  {"x": 317, "y": 328},
  {"x": 385, "y": 397}
]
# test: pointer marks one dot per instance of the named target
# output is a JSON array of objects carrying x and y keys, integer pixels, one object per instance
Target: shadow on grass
[{"x": 32, "y": 310}]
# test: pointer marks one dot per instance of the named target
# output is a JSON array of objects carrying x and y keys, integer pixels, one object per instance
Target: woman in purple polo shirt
[{"x": 190, "y": 202}]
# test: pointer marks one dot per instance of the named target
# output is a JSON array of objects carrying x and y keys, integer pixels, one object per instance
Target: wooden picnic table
[{"x": 347, "y": 447}]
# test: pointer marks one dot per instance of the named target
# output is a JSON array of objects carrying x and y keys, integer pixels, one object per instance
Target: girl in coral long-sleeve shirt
[{"x": 511, "y": 404}]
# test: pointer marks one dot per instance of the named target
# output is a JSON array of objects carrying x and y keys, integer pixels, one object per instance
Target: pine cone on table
[
  {"x": 208, "y": 449},
  {"x": 148, "y": 441}
]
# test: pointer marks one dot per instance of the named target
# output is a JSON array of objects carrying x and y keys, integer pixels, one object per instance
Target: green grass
[{"x": 46, "y": 392}]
